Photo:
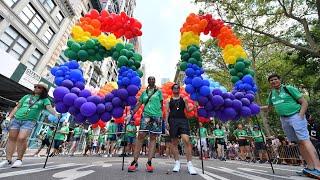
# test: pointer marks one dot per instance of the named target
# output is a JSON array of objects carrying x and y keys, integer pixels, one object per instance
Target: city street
[{"x": 69, "y": 168}]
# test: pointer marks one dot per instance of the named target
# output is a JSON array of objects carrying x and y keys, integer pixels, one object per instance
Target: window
[
  {"x": 34, "y": 59},
  {"x": 31, "y": 18},
  {"x": 1, "y": 17},
  {"x": 48, "y": 5},
  {"x": 60, "y": 17},
  {"x": 48, "y": 35},
  {"x": 13, "y": 43},
  {"x": 62, "y": 59},
  {"x": 10, "y": 3}
]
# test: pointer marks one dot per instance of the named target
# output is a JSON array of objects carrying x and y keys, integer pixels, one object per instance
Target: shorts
[
  {"x": 57, "y": 143},
  {"x": 295, "y": 128},
  {"x": 112, "y": 137},
  {"x": 131, "y": 140},
  {"x": 151, "y": 125},
  {"x": 178, "y": 126},
  {"x": 103, "y": 147},
  {"x": 259, "y": 146},
  {"x": 220, "y": 141},
  {"x": 243, "y": 142},
  {"x": 46, "y": 142},
  {"x": 76, "y": 139},
  {"x": 203, "y": 143},
  {"x": 19, "y": 124}
]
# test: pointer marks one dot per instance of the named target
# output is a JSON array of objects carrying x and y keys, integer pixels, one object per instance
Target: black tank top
[{"x": 177, "y": 107}]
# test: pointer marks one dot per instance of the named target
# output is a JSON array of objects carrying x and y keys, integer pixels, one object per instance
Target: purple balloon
[
  {"x": 132, "y": 100},
  {"x": 245, "y": 111},
  {"x": 229, "y": 113},
  {"x": 100, "y": 108},
  {"x": 109, "y": 97},
  {"x": 79, "y": 119},
  {"x": 217, "y": 91},
  {"x": 88, "y": 109},
  {"x": 75, "y": 90},
  {"x": 106, "y": 117},
  {"x": 255, "y": 108},
  {"x": 116, "y": 102},
  {"x": 79, "y": 85},
  {"x": 237, "y": 104},
  {"x": 79, "y": 101},
  {"x": 95, "y": 99},
  {"x": 73, "y": 110},
  {"x": 211, "y": 113},
  {"x": 250, "y": 97},
  {"x": 67, "y": 83},
  {"x": 231, "y": 96},
  {"x": 132, "y": 90},
  {"x": 217, "y": 100},
  {"x": 225, "y": 95},
  {"x": 117, "y": 112},
  {"x": 61, "y": 107},
  {"x": 60, "y": 92},
  {"x": 108, "y": 106},
  {"x": 85, "y": 93},
  {"x": 123, "y": 94},
  {"x": 203, "y": 100},
  {"x": 245, "y": 101},
  {"x": 239, "y": 95},
  {"x": 94, "y": 118},
  {"x": 202, "y": 112},
  {"x": 209, "y": 106},
  {"x": 228, "y": 102},
  {"x": 69, "y": 99}
]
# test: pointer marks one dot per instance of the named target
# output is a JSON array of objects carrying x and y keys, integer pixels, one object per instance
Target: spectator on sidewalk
[
  {"x": 23, "y": 119},
  {"x": 314, "y": 132},
  {"x": 291, "y": 107},
  {"x": 131, "y": 135}
]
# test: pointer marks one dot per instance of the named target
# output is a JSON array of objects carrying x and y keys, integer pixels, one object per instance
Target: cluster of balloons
[
  {"x": 213, "y": 99},
  {"x": 89, "y": 42},
  {"x": 68, "y": 71},
  {"x": 214, "y": 84}
]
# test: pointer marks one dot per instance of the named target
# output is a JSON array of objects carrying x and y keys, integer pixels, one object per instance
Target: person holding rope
[
  {"x": 179, "y": 127},
  {"x": 291, "y": 106},
  {"x": 23, "y": 119},
  {"x": 151, "y": 122}
]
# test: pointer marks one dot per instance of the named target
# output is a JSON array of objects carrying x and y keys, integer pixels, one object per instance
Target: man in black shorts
[
  {"x": 46, "y": 140},
  {"x": 179, "y": 127}
]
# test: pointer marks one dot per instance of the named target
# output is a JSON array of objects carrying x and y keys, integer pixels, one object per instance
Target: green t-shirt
[
  {"x": 112, "y": 129},
  {"x": 218, "y": 133},
  {"x": 283, "y": 103},
  {"x": 193, "y": 140},
  {"x": 77, "y": 132},
  {"x": 211, "y": 140},
  {"x": 203, "y": 132},
  {"x": 257, "y": 135},
  {"x": 153, "y": 108},
  {"x": 49, "y": 134},
  {"x": 102, "y": 138},
  {"x": 131, "y": 130},
  {"x": 25, "y": 113},
  {"x": 238, "y": 133},
  {"x": 89, "y": 136},
  {"x": 62, "y": 136}
]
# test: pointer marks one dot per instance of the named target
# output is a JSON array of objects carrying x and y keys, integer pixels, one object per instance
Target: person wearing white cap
[{"x": 23, "y": 119}]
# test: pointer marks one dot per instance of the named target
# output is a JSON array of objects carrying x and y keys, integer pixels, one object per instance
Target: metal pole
[{"x": 49, "y": 148}]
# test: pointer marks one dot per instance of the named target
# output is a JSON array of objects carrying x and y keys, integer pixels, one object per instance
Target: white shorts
[{"x": 203, "y": 143}]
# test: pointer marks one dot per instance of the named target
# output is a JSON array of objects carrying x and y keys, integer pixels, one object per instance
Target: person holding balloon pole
[
  {"x": 23, "y": 119},
  {"x": 151, "y": 122},
  {"x": 179, "y": 127}
]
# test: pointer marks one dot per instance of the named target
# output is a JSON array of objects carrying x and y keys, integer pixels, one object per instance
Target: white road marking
[
  {"x": 72, "y": 174},
  {"x": 208, "y": 175},
  {"x": 238, "y": 173},
  {"x": 267, "y": 167},
  {"x": 27, "y": 165},
  {"x": 258, "y": 171},
  {"x": 106, "y": 165},
  {"x": 36, "y": 170}
]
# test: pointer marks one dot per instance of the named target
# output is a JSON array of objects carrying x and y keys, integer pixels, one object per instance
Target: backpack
[{"x": 287, "y": 91}]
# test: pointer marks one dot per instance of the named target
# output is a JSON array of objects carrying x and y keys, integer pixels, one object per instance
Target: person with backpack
[
  {"x": 151, "y": 122},
  {"x": 291, "y": 107}
]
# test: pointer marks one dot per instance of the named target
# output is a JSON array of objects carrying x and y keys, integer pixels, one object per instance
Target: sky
[{"x": 161, "y": 21}]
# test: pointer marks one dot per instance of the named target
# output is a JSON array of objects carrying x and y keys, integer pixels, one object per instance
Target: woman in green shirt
[
  {"x": 59, "y": 138},
  {"x": 241, "y": 136},
  {"x": 77, "y": 132},
  {"x": 218, "y": 133},
  {"x": 259, "y": 144},
  {"x": 23, "y": 119}
]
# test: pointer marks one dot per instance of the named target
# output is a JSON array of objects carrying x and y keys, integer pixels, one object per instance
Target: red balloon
[{"x": 95, "y": 125}]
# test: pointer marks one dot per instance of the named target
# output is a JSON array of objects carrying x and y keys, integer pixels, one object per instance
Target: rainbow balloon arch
[{"x": 99, "y": 35}]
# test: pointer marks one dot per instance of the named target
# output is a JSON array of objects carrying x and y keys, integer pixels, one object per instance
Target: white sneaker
[
  {"x": 106, "y": 155},
  {"x": 176, "y": 167},
  {"x": 17, "y": 164},
  {"x": 37, "y": 155},
  {"x": 191, "y": 169},
  {"x": 4, "y": 163}
]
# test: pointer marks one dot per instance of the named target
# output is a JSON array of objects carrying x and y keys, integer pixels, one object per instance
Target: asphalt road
[{"x": 92, "y": 168}]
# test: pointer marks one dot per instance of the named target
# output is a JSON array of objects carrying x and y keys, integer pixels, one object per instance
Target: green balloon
[
  {"x": 192, "y": 49},
  {"x": 99, "y": 57},
  {"x": 129, "y": 46},
  {"x": 129, "y": 54},
  {"x": 185, "y": 57},
  {"x": 91, "y": 52},
  {"x": 183, "y": 66},
  {"x": 239, "y": 66},
  {"x": 240, "y": 60},
  {"x": 251, "y": 72},
  {"x": 183, "y": 52},
  {"x": 199, "y": 63},
  {"x": 137, "y": 65},
  {"x": 140, "y": 73},
  {"x": 75, "y": 47},
  {"x": 123, "y": 52},
  {"x": 122, "y": 61},
  {"x": 240, "y": 74},
  {"x": 196, "y": 55},
  {"x": 130, "y": 62},
  {"x": 83, "y": 55},
  {"x": 233, "y": 72},
  {"x": 119, "y": 46},
  {"x": 70, "y": 42},
  {"x": 234, "y": 79},
  {"x": 246, "y": 71},
  {"x": 92, "y": 58},
  {"x": 230, "y": 66},
  {"x": 192, "y": 61},
  {"x": 90, "y": 43},
  {"x": 115, "y": 55},
  {"x": 137, "y": 57},
  {"x": 247, "y": 63}
]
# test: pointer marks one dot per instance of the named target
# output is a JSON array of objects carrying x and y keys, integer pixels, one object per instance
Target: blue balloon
[
  {"x": 188, "y": 80},
  {"x": 54, "y": 70},
  {"x": 205, "y": 83},
  {"x": 204, "y": 90},
  {"x": 247, "y": 79},
  {"x": 136, "y": 81},
  {"x": 73, "y": 64},
  {"x": 197, "y": 82},
  {"x": 189, "y": 72},
  {"x": 59, "y": 73},
  {"x": 76, "y": 74},
  {"x": 125, "y": 81},
  {"x": 58, "y": 80},
  {"x": 190, "y": 89}
]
